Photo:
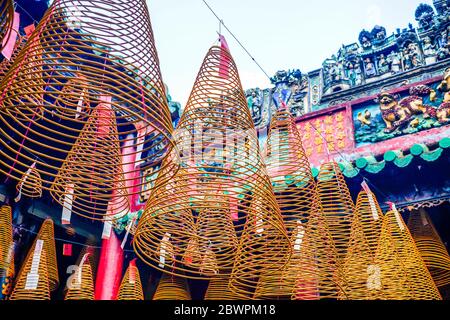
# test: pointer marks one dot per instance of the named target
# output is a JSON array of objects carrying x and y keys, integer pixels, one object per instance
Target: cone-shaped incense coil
[
  {"x": 387, "y": 278},
  {"x": 166, "y": 237},
  {"x": 225, "y": 154},
  {"x": 5, "y": 64},
  {"x": 31, "y": 184},
  {"x": 131, "y": 286},
  {"x": 92, "y": 171},
  {"x": 82, "y": 284},
  {"x": 422, "y": 284},
  {"x": 90, "y": 249},
  {"x": 33, "y": 282},
  {"x": 356, "y": 265},
  {"x": 47, "y": 235},
  {"x": 171, "y": 287},
  {"x": 370, "y": 217},
  {"x": 430, "y": 246},
  {"x": 337, "y": 204},
  {"x": 218, "y": 289},
  {"x": 314, "y": 264},
  {"x": 82, "y": 53},
  {"x": 6, "y": 237},
  {"x": 6, "y": 20},
  {"x": 289, "y": 170}
]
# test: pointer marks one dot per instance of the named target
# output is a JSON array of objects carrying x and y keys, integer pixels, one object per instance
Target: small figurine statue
[
  {"x": 370, "y": 68},
  {"x": 383, "y": 64},
  {"x": 394, "y": 60},
  {"x": 429, "y": 51}
]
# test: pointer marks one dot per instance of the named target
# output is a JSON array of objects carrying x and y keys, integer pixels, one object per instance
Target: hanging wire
[
  {"x": 315, "y": 129},
  {"x": 24, "y": 10},
  {"x": 235, "y": 38}
]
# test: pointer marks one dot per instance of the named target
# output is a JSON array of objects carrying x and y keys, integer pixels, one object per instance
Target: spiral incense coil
[
  {"x": 314, "y": 264},
  {"x": 356, "y": 264},
  {"x": 93, "y": 169},
  {"x": 370, "y": 216},
  {"x": 8, "y": 281},
  {"x": 33, "y": 282},
  {"x": 5, "y": 64},
  {"x": 90, "y": 248},
  {"x": 6, "y": 237},
  {"x": 430, "y": 246},
  {"x": 221, "y": 180},
  {"x": 166, "y": 238},
  {"x": 387, "y": 278},
  {"x": 6, "y": 20},
  {"x": 131, "y": 286},
  {"x": 47, "y": 234},
  {"x": 31, "y": 184},
  {"x": 171, "y": 287},
  {"x": 337, "y": 204},
  {"x": 218, "y": 289},
  {"x": 86, "y": 53},
  {"x": 82, "y": 285},
  {"x": 289, "y": 169},
  {"x": 422, "y": 284}
]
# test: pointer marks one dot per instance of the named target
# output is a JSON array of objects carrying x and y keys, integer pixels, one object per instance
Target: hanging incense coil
[
  {"x": 370, "y": 217},
  {"x": 289, "y": 169},
  {"x": 82, "y": 284},
  {"x": 422, "y": 284},
  {"x": 31, "y": 184},
  {"x": 81, "y": 55},
  {"x": 171, "y": 287},
  {"x": 337, "y": 204},
  {"x": 33, "y": 281},
  {"x": 90, "y": 248},
  {"x": 314, "y": 264},
  {"x": 6, "y": 237},
  {"x": 47, "y": 234},
  {"x": 93, "y": 169},
  {"x": 221, "y": 180},
  {"x": 131, "y": 286},
  {"x": 218, "y": 289},
  {"x": 356, "y": 264},
  {"x": 387, "y": 278},
  {"x": 257, "y": 252},
  {"x": 5, "y": 64},
  {"x": 430, "y": 246},
  {"x": 6, "y": 20}
]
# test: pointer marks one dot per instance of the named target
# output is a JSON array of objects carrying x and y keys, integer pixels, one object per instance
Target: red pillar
[{"x": 109, "y": 273}]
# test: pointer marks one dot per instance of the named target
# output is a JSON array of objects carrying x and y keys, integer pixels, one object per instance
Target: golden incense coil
[
  {"x": 33, "y": 282},
  {"x": 5, "y": 64},
  {"x": 171, "y": 287},
  {"x": 82, "y": 286},
  {"x": 221, "y": 186},
  {"x": 6, "y": 237},
  {"x": 47, "y": 235},
  {"x": 370, "y": 217},
  {"x": 356, "y": 264},
  {"x": 430, "y": 246},
  {"x": 131, "y": 286},
  {"x": 6, "y": 20},
  {"x": 421, "y": 282},
  {"x": 93, "y": 170},
  {"x": 337, "y": 204},
  {"x": 81, "y": 55},
  {"x": 295, "y": 191},
  {"x": 31, "y": 184},
  {"x": 218, "y": 289},
  {"x": 314, "y": 262},
  {"x": 387, "y": 278},
  {"x": 289, "y": 169}
]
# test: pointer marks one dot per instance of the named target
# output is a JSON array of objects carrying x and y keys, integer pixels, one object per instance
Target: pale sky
[{"x": 280, "y": 34}]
